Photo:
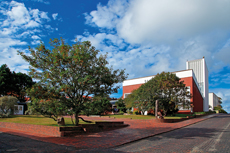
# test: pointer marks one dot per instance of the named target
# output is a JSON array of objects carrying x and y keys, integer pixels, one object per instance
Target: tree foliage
[
  {"x": 220, "y": 109},
  {"x": 75, "y": 71},
  {"x": 165, "y": 87},
  {"x": 121, "y": 105},
  {"x": 7, "y": 105},
  {"x": 48, "y": 103},
  {"x": 14, "y": 84},
  {"x": 97, "y": 106},
  {"x": 6, "y": 78}
]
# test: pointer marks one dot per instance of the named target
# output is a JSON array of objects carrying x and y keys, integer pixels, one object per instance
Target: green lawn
[
  {"x": 37, "y": 120},
  {"x": 144, "y": 117},
  {"x": 177, "y": 116},
  {"x": 173, "y": 117}
]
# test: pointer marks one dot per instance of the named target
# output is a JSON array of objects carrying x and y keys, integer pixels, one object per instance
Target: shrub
[
  {"x": 136, "y": 112},
  {"x": 130, "y": 112},
  {"x": 7, "y": 105},
  {"x": 221, "y": 110},
  {"x": 121, "y": 105}
]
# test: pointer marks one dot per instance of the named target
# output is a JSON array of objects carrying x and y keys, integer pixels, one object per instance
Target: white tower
[{"x": 201, "y": 72}]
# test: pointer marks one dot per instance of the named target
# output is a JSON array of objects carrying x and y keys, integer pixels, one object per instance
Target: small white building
[
  {"x": 213, "y": 100},
  {"x": 18, "y": 109}
]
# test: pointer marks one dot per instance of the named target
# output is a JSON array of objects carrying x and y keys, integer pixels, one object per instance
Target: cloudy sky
[{"x": 145, "y": 37}]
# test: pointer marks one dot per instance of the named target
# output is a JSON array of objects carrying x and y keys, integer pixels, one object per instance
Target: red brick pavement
[{"x": 137, "y": 129}]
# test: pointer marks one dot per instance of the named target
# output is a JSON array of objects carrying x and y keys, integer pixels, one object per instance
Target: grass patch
[
  {"x": 173, "y": 117},
  {"x": 143, "y": 117},
  {"x": 38, "y": 120}
]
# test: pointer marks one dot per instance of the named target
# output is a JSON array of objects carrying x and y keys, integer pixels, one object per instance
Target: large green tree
[
  {"x": 75, "y": 71},
  {"x": 6, "y": 78},
  {"x": 165, "y": 87},
  {"x": 15, "y": 84},
  {"x": 21, "y": 83}
]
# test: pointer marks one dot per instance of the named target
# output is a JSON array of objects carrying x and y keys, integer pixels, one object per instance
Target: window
[{"x": 126, "y": 95}]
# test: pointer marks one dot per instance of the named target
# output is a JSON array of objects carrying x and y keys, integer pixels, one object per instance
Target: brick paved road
[
  {"x": 175, "y": 141},
  {"x": 136, "y": 130}
]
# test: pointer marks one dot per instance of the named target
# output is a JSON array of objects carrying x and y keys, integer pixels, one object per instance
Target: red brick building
[{"x": 189, "y": 76}]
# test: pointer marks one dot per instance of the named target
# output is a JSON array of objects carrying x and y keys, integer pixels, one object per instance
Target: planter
[{"x": 63, "y": 131}]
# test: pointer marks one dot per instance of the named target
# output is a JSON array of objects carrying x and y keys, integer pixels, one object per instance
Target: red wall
[
  {"x": 129, "y": 89},
  {"x": 196, "y": 99}
]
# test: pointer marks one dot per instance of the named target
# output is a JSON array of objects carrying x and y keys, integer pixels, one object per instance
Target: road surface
[{"x": 212, "y": 135}]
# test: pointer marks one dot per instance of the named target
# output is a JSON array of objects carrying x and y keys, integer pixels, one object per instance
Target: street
[{"x": 211, "y": 135}]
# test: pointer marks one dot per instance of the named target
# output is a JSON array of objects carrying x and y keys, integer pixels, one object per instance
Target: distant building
[
  {"x": 195, "y": 77},
  {"x": 213, "y": 100}
]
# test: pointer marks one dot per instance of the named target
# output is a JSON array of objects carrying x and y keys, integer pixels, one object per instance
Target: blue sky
[{"x": 144, "y": 37}]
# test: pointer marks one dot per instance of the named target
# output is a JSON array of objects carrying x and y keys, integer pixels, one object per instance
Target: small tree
[
  {"x": 121, "y": 105},
  {"x": 165, "y": 87},
  {"x": 75, "y": 72},
  {"x": 7, "y": 105}
]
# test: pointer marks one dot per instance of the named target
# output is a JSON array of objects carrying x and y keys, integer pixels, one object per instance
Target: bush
[
  {"x": 121, "y": 105},
  {"x": 203, "y": 113},
  {"x": 221, "y": 110},
  {"x": 130, "y": 112},
  {"x": 136, "y": 112},
  {"x": 7, "y": 105}
]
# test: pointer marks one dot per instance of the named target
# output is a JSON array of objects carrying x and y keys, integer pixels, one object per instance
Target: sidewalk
[{"x": 138, "y": 129}]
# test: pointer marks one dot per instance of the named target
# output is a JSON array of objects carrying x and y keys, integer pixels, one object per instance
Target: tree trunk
[
  {"x": 61, "y": 121},
  {"x": 76, "y": 119}
]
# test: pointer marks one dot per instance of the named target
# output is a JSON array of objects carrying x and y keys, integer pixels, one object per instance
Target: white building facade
[
  {"x": 200, "y": 69},
  {"x": 213, "y": 100}
]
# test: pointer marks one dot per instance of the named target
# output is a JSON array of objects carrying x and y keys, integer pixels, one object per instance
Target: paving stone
[{"x": 137, "y": 129}]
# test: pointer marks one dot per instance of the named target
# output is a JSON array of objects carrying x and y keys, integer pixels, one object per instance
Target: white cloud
[
  {"x": 18, "y": 26},
  {"x": 8, "y": 42},
  {"x": 35, "y": 37},
  {"x": 55, "y": 16},
  {"x": 150, "y": 36},
  {"x": 44, "y": 15},
  {"x": 35, "y": 42},
  {"x": 15, "y": 62},
  {"x": 188, "y": 29},
  {"x": 32, "y": 24},
  {"x": 107, "y": 16},
  {"x": 17, "y": 15},
  {"x": 42, "y": 1}
]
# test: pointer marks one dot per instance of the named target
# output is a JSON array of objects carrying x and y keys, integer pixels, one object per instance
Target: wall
[
  {"x": 40, "y": 129},
  {"x": 20, "y": 110},
  {"x": 197, "y": 99},
  {"x": 130, "y": 88},
  {"x": 213, "y": 100}
]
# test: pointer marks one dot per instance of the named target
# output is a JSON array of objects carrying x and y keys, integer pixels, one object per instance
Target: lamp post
[{"x": 156, "y": 108}]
